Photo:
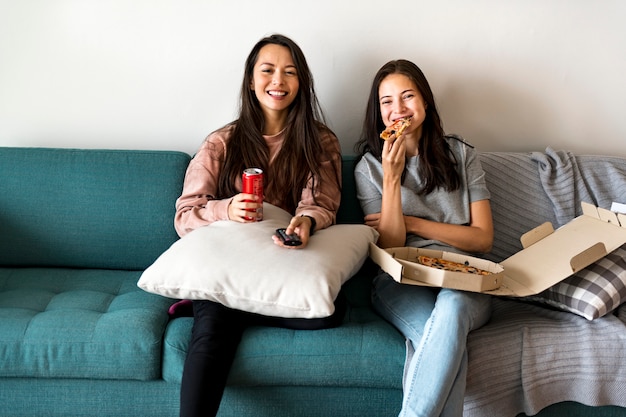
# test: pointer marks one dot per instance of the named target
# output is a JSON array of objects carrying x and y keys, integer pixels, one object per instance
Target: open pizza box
[{"x": 548, "y": 257}]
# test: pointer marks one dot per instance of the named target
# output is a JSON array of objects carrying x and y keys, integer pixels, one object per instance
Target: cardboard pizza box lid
[{"x": 549, "y": 256}]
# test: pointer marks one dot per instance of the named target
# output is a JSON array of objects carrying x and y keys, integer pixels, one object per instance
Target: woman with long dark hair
[
  {"x": 425, "y": 189},
  {"x": 281, "y": 130}
]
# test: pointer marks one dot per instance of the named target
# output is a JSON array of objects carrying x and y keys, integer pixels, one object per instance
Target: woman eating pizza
[{"x": 423, "y": 188}]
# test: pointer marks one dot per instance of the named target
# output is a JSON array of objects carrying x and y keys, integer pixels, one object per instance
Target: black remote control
[{"x": 288, "y": 240}]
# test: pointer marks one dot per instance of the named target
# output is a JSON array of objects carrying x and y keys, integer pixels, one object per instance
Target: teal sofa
[{"x": 79, "y": 338}]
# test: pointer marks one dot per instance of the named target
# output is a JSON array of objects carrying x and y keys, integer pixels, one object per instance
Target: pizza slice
[
  {"x": 450, "y": 265},
  {"x": 395, "y": 129}
]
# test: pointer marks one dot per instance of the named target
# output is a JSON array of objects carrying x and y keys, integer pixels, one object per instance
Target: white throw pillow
[{"x": 239, "y": 265}]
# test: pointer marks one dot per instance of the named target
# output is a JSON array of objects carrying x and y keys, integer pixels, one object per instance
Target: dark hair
[
  {"x": 301, "y": 151},
  {"x": 437, "y": 164}
]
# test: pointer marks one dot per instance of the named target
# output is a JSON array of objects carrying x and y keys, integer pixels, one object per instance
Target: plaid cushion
[{"x": 593, "y": 291}]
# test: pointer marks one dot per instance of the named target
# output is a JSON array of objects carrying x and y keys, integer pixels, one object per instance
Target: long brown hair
[
  {"x": 301, "y": 152},
  {"x": 438, "y": 164}
]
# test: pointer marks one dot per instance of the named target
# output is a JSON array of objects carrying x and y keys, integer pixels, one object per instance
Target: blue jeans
[{"x": 435, "y": 322}]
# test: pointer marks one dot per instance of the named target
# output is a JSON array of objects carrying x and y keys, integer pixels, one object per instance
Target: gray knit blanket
[
  {"x": 529, "y": 356},
  {"x": 567, "y": 182},
  {"x": 528, "y": 189}
]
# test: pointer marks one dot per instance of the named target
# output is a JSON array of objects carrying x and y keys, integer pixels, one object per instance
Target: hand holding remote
[{"x": 288, "y": 240}]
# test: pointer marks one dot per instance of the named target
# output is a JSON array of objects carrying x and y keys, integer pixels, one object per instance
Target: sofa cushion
[
  {"x": 238, "y": 265},
  {"x": 72, "y": 323},
  {"x": 356, "y": 354},
  {"x": 365, "y": 351},
  {"x": 87, "y": 208},
  {"x": 593, "y": 291}
]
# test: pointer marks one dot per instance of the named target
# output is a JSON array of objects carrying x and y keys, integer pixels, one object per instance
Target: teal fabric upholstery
[
  {"x": 282, "y": 357},
  {"x": 79, "y": 323},
  {"x": 87, "y": 208},
  {"x": 79, "y": 338},
  {"x": 24, "y": 397},
  {"x": 77, "y": 227},
  {"x": 350, "y": 210}
]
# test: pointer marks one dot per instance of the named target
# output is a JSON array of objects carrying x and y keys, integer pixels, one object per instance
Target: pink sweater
[{"x": 197, "y": 206}]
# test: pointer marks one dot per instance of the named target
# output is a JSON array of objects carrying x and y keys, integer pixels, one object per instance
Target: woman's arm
[
  {"x": 476, "y": 237},
  {"x": 391, "y": 225},
  {"x": 320, "y": 198},
  {"x": 197, "y": 206}
]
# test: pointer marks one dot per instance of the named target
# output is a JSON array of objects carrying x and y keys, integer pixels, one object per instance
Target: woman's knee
[
  {"x": 214, "y": 323},
  {"x": 474, "y": 307}
]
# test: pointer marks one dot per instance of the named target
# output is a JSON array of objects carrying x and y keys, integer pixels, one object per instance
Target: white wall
[{"x": 161, "y": 74}]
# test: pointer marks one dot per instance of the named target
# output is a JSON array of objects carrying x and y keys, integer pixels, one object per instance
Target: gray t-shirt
[{"x": 440, "y": 205}]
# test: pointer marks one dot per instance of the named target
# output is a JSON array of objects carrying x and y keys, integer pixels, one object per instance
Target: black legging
[{"x": 216, "y": 333}]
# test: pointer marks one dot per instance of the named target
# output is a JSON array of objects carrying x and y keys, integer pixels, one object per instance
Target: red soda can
[{"x": 252, "y": 183}]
